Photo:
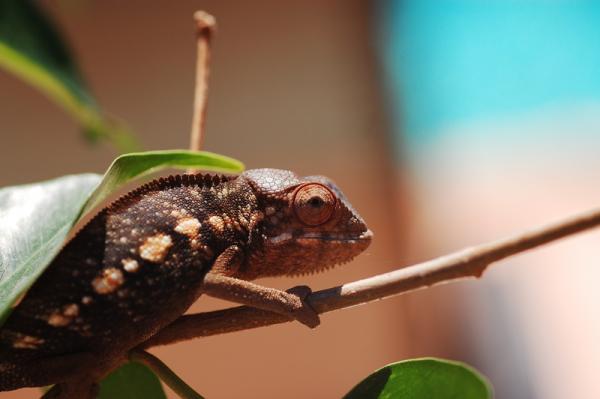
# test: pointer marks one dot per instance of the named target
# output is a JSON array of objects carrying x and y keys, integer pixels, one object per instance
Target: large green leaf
[
  {"x": 131, "y": 381},
  {"x": 34, "y": 221},
  {"x": 32, "y": 50},
  {"x": 423, "y": 378},
  {"x": 137, "y": 164},
  {"x": 36, "y": 218}
]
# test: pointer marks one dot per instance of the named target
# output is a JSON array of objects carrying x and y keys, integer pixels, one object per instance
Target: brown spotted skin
[{"x": 139, "y": 264}]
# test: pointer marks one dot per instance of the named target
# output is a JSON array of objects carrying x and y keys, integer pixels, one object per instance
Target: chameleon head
[{"x": 307, "y": 225}]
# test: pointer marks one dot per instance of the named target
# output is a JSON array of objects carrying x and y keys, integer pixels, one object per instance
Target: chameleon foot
[{"x": 302, "y": 311}]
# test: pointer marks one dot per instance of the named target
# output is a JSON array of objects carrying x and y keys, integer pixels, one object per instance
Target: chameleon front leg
[{"x": 289, "y": 303}]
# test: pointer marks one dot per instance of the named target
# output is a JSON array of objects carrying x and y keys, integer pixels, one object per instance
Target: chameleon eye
[{"x": 314, "y": 204}]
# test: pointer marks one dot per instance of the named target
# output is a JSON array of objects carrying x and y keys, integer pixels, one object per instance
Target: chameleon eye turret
[{"x": 314, "y": 204}]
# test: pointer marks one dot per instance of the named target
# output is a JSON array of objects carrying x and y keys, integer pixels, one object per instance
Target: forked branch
[{"x": 469, "y": 262}]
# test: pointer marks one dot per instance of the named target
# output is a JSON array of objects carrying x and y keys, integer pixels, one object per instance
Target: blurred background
[{"x": 447, "y": 124}]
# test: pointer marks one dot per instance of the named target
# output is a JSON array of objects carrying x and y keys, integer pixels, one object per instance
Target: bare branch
[
  {"x": 205, "y": 27},
  {"x": 469, "y": 262}
]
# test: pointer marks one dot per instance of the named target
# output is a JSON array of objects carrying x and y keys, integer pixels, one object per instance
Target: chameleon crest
[{"x": 142, "y": 261}]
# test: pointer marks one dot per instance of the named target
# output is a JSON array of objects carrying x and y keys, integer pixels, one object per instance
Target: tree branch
[
  {"x": 469, "y": 262},
  {"x": 205, "y": 27}
]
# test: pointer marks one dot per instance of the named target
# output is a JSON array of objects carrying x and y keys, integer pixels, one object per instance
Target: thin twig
[
  {"x": 205, "y": 27},
  {"x": 469, "y": 262},
  {"x": 183, "y": 390}
]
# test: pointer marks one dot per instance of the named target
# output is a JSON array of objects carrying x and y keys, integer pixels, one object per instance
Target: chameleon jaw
[{"x": 338, "y": 248}]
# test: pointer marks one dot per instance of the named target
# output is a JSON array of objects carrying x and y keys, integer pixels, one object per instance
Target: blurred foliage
[
  {"x": 32, "y": 49},
  {"x": 423, "y": 378},
  {"x": 131, "y": 381}
]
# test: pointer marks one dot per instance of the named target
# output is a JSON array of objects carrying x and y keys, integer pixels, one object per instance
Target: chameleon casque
[{"x": 143, "y": 260}]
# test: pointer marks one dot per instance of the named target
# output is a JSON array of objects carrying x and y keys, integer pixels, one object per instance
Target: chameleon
[{"x": 143, "y": 260}]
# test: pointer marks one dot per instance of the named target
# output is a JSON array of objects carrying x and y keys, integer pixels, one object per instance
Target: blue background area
[{"x": 449, "y": 61}]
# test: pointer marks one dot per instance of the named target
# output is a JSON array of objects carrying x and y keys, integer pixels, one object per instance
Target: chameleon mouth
[
  {"x": 342, "y": 237},
  {"x": 325, "y": 236}
]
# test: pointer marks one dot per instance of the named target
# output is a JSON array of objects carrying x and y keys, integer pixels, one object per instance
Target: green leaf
[
  {"x": 137, "y": 164},
  {"x": 168, "y": 376},
  {"x": 131, "y": 381},
  {"x": 34, "y": 221},
  {"x": 32, "y": 50},
  {"x": 423, "y": 378}
]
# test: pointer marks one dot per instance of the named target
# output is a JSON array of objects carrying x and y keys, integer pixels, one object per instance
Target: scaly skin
[{"x": 142, "y": 261}]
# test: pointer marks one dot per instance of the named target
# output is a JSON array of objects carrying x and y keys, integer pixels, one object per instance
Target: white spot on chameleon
[
  {"x": 281, "y": 237},
  {"x": 243, "y": 221},
  {"x": 155, "y": 248},
  {"x": 71, "y": 310},
  {"x": 198, "y": 246},
  {"x": 110, "y": 280},
  {"x": 123, "y": 240},
  {"x": 188, "y": 226},
  {"x": 58, "y": 319},
  {"x": 130, "y": 265},
  {"x": 63, "y": 318},
  {"x": 236, "y": 225},
  {"x": 256, "y": 217},
  {"x": 221, "y": 194},
  {"x": 27, "y": 342},
  {"x": 86, "y": 300},
  {"x": 228, "y": 221},
  {"x": 217, "y": 223}
]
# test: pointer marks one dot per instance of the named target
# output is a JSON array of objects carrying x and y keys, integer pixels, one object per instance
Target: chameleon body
[{"x": 142, "y": 261}]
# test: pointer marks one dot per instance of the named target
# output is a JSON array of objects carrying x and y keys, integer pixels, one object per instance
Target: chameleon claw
[{"x": 303, "y": 312}]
